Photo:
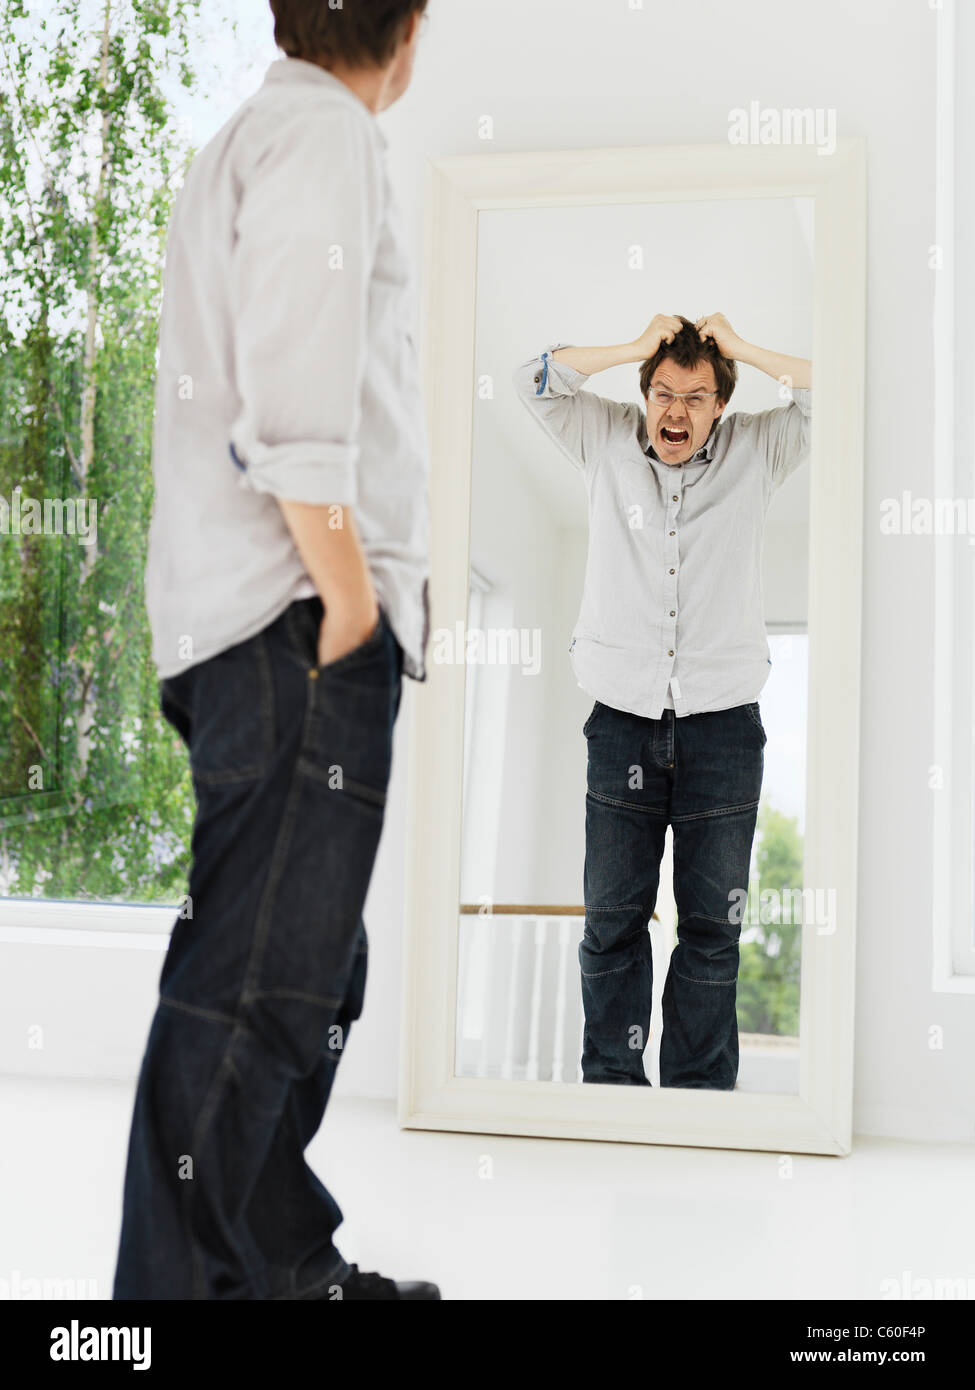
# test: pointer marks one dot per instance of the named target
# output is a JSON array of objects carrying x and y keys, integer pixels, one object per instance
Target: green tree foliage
[
  {"x": 95, "y": 798},
  {"x": 768, "y": 977}
]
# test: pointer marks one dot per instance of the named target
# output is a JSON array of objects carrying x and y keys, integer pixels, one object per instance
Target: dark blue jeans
[
  {"x": 702, "y": 774},
  {"x": 290, "y": 765}
]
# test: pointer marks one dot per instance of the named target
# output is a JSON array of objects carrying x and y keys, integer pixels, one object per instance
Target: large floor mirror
[{"x": 527, "y": 256}]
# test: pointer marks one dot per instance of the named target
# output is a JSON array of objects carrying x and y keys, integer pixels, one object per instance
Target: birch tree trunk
[{"x": 89, "y": 386}]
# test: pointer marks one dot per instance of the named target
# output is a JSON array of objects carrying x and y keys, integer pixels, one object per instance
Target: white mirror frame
[{"x": 819, "y": 1118}]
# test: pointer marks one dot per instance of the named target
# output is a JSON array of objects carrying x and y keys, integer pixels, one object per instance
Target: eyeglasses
[{"x": 694, "y": 400}]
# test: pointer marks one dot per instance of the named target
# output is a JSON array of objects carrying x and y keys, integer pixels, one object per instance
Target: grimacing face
[{"x": 676, "y": 432}]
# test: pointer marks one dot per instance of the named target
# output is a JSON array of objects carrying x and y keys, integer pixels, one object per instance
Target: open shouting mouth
[{"x": 674, "y": 436}]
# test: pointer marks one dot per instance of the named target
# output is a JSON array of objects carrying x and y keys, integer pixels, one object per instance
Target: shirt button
[
  {"x": 676, "y": 498},
  {"x": 673, "y": 533},
  {"x": 670, "y": 653},
  {"x": 537, "y": 380},
  {"x": 673, "y": 571},
  {"x": 673, "y": 612}
]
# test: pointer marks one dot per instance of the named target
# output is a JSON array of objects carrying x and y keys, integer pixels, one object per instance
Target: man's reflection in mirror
[{"x": 671, "y": 644}]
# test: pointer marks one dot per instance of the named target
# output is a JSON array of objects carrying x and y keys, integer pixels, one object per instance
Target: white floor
[{"x": 499, "y": 1218}]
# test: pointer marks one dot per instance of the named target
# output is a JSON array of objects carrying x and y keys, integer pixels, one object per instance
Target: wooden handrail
[
  {"x": 522, "y": 910},
  {"x": 525, "y": 910}
]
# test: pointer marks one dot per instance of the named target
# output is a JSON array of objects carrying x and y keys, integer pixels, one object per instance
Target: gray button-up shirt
[
  {"x": 672, "y": 601},
  {"x": 286, "y": 369}
]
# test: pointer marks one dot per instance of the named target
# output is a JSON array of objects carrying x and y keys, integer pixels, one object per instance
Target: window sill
[{"x": 38, "y": 921}]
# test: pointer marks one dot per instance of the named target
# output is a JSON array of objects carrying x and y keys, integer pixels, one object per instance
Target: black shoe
[{"x": 373, "y": 1286}]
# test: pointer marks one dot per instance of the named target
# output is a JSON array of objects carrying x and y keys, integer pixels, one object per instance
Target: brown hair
[
  {"x": 687, "y": 350},
  {"x": 358, "y": 33}
]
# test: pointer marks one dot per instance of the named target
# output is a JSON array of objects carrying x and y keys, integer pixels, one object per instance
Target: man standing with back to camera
[
  {"x": 671, "y": 644},
  {"x": 286, "y": 588}
]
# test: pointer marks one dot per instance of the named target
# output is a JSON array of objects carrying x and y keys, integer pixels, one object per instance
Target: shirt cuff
[
  {"x": 802, "y": 397},
  {"x": 301, "y": 471},
  {"x": 545, "y": 377}
]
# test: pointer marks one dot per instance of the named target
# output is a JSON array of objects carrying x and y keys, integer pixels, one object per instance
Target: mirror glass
[{"x": 595, "y": 275}]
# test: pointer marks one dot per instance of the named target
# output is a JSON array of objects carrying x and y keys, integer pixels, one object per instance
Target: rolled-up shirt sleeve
[
  {"x": 787, "y": 432},
  {"x": 579, "y": 422},
  {"x": 306, "y": 234}
]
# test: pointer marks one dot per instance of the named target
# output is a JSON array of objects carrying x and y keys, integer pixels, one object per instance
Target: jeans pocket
[
  {"x": 351, "y": 712},
  {"x": 303, "y": 627},
  {"x": 592, "y": 715},
  {"x": 227, "y": 705},
  {"x": 371, "y": 643},
  {"x": 754, "y": 714},
  {"x": 174, "y": 712}
]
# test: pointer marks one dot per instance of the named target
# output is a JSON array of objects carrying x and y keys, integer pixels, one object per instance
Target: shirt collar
[{"x": 300, "y": 70}]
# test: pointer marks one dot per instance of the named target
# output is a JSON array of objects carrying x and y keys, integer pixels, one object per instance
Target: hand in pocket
[{"x": 341, "y": 632}]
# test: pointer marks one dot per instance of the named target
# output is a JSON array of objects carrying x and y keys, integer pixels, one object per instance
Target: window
[
  {"x": 771, "y": 936},
  {"x": 96, "y": 804}
]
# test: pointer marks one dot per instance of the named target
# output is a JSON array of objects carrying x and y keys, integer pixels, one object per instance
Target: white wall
[{"x": 562, "y": 74}]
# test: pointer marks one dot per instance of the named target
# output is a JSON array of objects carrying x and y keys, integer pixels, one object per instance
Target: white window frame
[
  {"x": 953, "y": 850},
  {"x": 50, "y": 922}
]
